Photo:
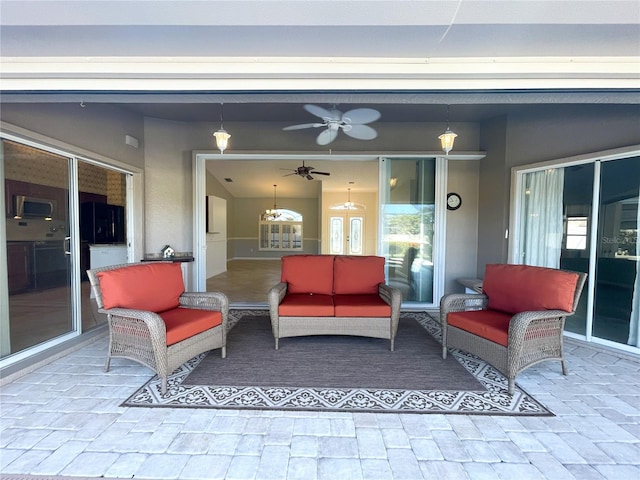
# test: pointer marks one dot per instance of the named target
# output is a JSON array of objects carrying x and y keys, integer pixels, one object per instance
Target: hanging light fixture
[
  {"x": 348, "y": 205},
  {"x": 222, "y": 137},
  {"x": 271, "y": 214},
  {"x": 448, "y": 137}
]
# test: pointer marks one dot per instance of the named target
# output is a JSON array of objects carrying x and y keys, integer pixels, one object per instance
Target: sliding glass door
[
  {"x": 408, "y": 225},
  {"x": 63, "y": 215},
  {"x": 39, "y": 248},
  {"x": 584, "y": 217}
]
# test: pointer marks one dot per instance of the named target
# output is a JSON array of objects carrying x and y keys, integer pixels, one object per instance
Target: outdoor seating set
[{"x": 516, "y": 322}]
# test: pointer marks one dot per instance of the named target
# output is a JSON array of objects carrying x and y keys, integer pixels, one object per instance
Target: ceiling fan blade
[
  {"x": 361, "y": 115},
  {"x": 309, "y": 177},
  {"x": 321, "y": 173},
  {"x": 326, "y": 137},
  {"x": 303, "y": 125},
  {"x": 361, "y": 132},
  {"x": 318, "y": 111},
  {"x": 289, "y": 174}
]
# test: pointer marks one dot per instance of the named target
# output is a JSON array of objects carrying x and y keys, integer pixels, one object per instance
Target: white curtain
[
  {"x": 541, "y": 221},
  {"x": 634, "y": 324}
]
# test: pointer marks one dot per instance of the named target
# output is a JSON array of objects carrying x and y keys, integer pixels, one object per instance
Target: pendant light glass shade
[
  {"x": 448, "y": 137},
  {"x": 222, "y": 139},
  {"x": 222, "y": 136}
]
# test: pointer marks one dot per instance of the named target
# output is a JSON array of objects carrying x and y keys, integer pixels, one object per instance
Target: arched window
[{"x": 280, "y": 229}]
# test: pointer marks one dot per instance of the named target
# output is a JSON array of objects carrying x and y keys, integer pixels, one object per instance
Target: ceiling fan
[
  {"x": 304, "y": 171},
  {"x": 351, "y": 122}
]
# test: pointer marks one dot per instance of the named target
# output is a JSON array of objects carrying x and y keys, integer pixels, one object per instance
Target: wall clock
[{"x": 453, "y": 201}]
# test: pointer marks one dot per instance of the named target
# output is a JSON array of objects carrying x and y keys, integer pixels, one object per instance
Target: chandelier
[
  {"x": 271, "y": 214},
  {"x": 448, "y": 137},
  {"x": 348, "y": 205}
]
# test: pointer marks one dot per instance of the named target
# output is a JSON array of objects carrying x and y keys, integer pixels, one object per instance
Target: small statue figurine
[{"x": 167, "y": 251}]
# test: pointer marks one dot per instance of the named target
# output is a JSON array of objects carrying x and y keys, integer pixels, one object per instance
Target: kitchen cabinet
[{"x": 19, "y": 266}]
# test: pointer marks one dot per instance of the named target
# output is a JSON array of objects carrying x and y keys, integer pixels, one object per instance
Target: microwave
[{"x": 33, "y": 207}]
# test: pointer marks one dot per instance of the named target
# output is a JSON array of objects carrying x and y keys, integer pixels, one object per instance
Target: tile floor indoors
[{"x": 64, "y": 419}]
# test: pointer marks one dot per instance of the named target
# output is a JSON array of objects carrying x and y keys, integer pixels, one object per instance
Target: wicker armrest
[
  {"x": 276, "y": 294},
  {"x": 153, "y": 321},
  {"x": 461, "y": 302},
  {"x": 206, "y": 301},
  {"x": 391, "y": 295}
]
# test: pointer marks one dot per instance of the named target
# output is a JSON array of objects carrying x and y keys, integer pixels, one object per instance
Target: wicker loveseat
[
  {"x": 517, "y": 321},
  {"x": 153, "y": 321},
  {"x": 334, "y": 295}
]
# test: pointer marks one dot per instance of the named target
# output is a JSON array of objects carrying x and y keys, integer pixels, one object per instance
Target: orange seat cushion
[
  {"x": 489, "y": 324},
  {"x": 523, "y": 288},
  {"x": 306, "y": 305},
  {"x": 154, "y": 287},
  {"x": 357, "y": 275},
  {"x": 368, "y": 305},
  {"x": 308, "y": 273},
  {"x": 182, "y": 323}
]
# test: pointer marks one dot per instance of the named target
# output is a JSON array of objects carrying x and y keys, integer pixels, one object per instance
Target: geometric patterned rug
[{"x": 493, "y": 400}]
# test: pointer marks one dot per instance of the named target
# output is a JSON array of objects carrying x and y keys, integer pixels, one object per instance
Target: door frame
[{"x": 135, "y": 229}]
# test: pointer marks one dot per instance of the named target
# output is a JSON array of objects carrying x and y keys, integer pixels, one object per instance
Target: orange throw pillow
[
  {"x": 523, "y": 288},
  {"x": 308, "y": 273},
  {"x": 153, "y": 287},
  {"x": 357, "y": 275}
]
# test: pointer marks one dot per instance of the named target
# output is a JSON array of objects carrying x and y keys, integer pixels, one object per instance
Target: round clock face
[{"x": 453, "y": 201}]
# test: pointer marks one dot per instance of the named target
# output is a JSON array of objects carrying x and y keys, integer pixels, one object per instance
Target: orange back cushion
[
  {"x": 522, "y": 288},
  {"x": 308, "y": 273},
  {"x": 357, "y": 275},
  {"x": 154, "y": 287}
]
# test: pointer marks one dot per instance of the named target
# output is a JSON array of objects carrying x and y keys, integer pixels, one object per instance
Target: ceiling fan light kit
[{"x": 353, "y": 123}]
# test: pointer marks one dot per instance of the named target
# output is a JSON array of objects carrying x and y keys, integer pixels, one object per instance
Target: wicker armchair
[
  {"x": 141, "y": 334},
  {"x": 518, "y": 338}
]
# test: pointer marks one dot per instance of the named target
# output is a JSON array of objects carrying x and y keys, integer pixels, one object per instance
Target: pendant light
[
  {"x": 348, "y": 205},
  {"x": 448, "y": 137},
  {"x": 222, "y": 137},
  {"x": 272, "y": 214}
]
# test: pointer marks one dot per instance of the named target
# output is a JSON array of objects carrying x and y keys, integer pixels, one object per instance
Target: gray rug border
[{"x": 494, "y": 400}]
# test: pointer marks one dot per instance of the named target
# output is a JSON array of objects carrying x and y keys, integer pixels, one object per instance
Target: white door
[
  {"x": 216, "y": 236},
  {"x": 346, "y": 233}
]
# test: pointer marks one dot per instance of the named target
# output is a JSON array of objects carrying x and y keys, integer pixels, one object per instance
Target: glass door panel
[
  {"x": 577, "y": 199},
  {"x": 38, "y": 247},
  {"x": 617, "y": 252},
  {"x": 408, "y": 217},
  {"x": 347, "y": 234}
]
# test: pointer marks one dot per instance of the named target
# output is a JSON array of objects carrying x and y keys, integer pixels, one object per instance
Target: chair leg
[
  {"x": 107, "y": 363},
  {"x": 277, "y": 343},
  {"x": 163, "y": 387},
  {"x": 444, "y": 352},
  {"x": 512, "y": 386},
  {"x": 564, "y": 367},
  {"x": 392, "y": 344},
  {"x": 224, "y": 351}
]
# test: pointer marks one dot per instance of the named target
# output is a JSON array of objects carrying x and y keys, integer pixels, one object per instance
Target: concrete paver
[{"x": 65, "y": 419}]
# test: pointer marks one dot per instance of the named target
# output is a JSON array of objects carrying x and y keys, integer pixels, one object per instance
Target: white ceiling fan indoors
[{"x": 352, "y": 123}]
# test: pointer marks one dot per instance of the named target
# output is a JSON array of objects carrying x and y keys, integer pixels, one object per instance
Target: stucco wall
[
  {"x": 168, "y": 186},
  {"x": 96, "y": 128}
]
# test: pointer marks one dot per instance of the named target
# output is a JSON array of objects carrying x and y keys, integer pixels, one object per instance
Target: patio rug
[{"x": 338, "y": 373}]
